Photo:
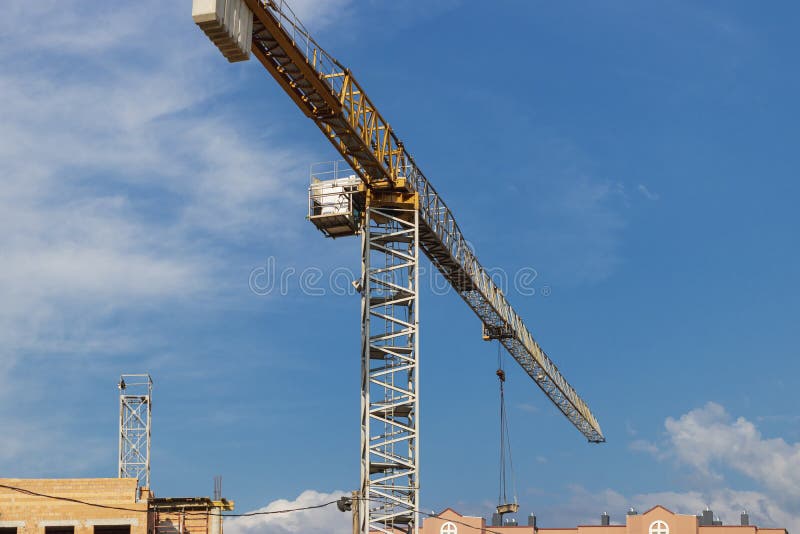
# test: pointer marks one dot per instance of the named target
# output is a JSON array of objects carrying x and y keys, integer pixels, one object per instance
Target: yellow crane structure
[{"x": 383, "y": 196}]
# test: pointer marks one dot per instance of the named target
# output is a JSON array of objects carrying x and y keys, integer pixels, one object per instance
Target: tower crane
[{"x": 384, "y": 197}]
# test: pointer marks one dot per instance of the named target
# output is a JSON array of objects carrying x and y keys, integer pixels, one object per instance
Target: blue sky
[{"x": 641, "y": 158}]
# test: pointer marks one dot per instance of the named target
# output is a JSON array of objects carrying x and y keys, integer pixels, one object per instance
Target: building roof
[
  {"x": 448, "y": 509},
  {"x": 662, "y": 507}
]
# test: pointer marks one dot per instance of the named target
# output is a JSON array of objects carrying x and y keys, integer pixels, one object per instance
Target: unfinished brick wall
[
  {"x": 31, "y": 515},
  {"x": 189, "y": 522}
]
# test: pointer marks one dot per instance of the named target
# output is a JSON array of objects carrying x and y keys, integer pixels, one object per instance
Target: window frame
[
  {"x": 659, "y": 526},
  {"x": 451, "y": 528}
]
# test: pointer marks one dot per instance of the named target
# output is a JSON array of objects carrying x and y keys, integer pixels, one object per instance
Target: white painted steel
[
  {"x": 135, "y": 411},
  {"x": 390, "y": 372}
]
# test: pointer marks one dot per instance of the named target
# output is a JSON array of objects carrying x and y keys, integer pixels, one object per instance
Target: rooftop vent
[{"x": 707, "y": 518}]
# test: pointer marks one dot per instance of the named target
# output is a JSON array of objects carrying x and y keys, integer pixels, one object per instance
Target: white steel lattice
[
  {"x": 389, "y": 372},
  {"x": 135, "y": 406}
]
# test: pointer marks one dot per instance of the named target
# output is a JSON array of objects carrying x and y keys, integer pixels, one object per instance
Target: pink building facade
[{"x": 657, "y": 520}]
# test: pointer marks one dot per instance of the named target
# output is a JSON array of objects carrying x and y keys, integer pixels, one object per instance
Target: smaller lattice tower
[{"x": 135, "y": 407}]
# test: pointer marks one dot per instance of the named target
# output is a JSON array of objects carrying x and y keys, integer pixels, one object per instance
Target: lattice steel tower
[
  {"x": 389, "y": 367},
  {"x": 135, "y": 407}
]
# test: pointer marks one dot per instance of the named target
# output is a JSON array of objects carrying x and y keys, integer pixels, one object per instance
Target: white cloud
[
  {"x": 712, "y": 444},
  {"x": 327, "y": 520},
  {"x": 114, "y": 182},
  {"x": 88, "y": 26},
  {"x": 711, "y": 441},
  {"x": 646, "y": 193},
  {"x": 122, "y": 186}
]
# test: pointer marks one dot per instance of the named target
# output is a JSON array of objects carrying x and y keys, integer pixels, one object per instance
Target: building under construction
[
  {"x": 102, "y": 506},
  {"x": 122, "y": 505}
]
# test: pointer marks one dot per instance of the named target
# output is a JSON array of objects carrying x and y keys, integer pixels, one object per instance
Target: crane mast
[{"x": 398, "y": 213}]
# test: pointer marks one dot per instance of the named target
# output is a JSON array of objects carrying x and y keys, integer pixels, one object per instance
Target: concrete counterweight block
[{"x": 229, "y": 25}]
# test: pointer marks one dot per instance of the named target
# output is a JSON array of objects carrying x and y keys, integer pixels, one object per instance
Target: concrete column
[{"x": 215, "y": 521}]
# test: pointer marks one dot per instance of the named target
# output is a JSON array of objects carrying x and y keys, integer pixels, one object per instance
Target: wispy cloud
[
  {"x": 580, "y": 217},
  {"x": 527, "y": 407},
  {"x": 318, "y": 15},
  {"x": 25, "y": 449},
  {"x": 630, "y": 429},
  {"x": 114, "y": 180},
  {"x": 592, "y": 222},
  {"x": 646, "y": 193},
  {"x": 122, "y": 187},
  {"x": 642, "y": 445}
]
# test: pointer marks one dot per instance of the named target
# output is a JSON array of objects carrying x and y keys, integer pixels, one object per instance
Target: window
[
  {"x": 116, "y": 529},
  {"x": 659, "y": 527},
  {"x": 59, "y": 530},
  {"x": 8, "y": 530},
  {"x": 448, "y": 528}
]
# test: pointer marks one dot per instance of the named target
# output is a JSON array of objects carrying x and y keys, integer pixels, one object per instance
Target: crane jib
[{"x": 328, "y": 94}]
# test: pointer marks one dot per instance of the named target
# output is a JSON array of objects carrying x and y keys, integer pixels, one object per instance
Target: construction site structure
[
  {"x": 187, "y": 515},
  {"x": 135, "y": 412},
  {"x": 381, "y": 194},
  {"x": 102, "y": 506}
]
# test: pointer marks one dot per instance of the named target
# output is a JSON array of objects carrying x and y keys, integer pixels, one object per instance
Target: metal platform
[{"x": 336, "y": 199}]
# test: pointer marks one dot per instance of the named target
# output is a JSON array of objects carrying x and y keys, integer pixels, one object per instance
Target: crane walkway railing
[{"x": 328, "y": 93}]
